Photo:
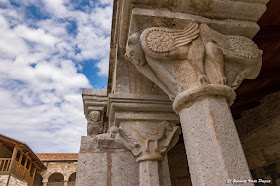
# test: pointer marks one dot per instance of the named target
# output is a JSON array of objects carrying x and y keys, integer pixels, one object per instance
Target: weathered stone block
[
  {"x": 92, "y": 169},
  {"x": 125, "y": 170},
  {"x": 101, "y": 166}
]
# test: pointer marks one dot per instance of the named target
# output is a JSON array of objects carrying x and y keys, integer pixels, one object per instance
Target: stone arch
[
  {"x": 38, "y": 180},
  {"x": 56, "y": 177},
  {"x": 72, "y": 177}
]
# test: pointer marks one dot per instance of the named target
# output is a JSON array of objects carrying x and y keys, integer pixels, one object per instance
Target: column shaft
[
  {"x": 165, "y": 175},
  {"x": 148, "y": 173},
  {"x": 212, "y": 143}
]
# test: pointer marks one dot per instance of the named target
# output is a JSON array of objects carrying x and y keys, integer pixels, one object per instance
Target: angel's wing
[
  {"x": 233, "y": 46},
  {"x": 243, "y": 47},
  {"x": 150, "y": 130},
  {"x": 162, "y": 40}
]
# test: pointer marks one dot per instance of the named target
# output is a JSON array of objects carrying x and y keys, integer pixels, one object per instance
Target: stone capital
[
  {"x": 129, "y": 114},
  {"x": 148, "y": 141},
  {"x": 192, "y": 58}
]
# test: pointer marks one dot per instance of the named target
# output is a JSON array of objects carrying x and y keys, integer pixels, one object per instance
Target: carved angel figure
[
  {"x": 196, "y": 43},
  {"x": 94, "y": 123},
  {"x": 239, "y": 49},
  {"x": 165, "y": 43}
]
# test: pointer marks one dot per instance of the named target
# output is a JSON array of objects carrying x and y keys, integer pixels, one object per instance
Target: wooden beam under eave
[
  {"x": 20, "y": 156},
  {"x": 30, "y": 164},
  {"x": 15, "y": 150},
  {"x": 26, "y": 160},
  {"x": 34, "y": 172},
  {"x": 13, "y": 159}
]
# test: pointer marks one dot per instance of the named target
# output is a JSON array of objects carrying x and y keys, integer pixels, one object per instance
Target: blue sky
[{"x": 49, "y": 51}]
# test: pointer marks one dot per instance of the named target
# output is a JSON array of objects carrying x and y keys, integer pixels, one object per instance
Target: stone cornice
[
  {"x": 95, "y": 107},
  {"x": 218, "y": 9},
  {"x": 133, "y": 107},
  {"x": 94, "y": 99},
  {"x": 146, "y": 18}
]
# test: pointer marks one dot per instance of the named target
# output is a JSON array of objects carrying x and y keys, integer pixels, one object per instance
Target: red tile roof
[{"x": 57, "y": 156}]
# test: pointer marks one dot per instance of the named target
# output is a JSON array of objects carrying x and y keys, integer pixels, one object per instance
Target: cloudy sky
[{"x": 49, "y": 51}]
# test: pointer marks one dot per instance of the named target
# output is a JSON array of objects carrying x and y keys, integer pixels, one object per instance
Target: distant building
[
  {"x": 61, "y": 169},
  {"x": 18, "y": 163},
  {"x": 20, "y": 166}
]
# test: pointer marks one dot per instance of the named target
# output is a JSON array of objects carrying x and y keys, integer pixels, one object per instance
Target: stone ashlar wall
[
  {"x": 105, "y": 166},
  {"x": 13, "y": 181}
]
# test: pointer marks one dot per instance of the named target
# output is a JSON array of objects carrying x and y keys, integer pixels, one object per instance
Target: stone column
[
  {"x": 212, "y": 143},
  {"x": 147, "y": 126},
  {"x": 149, "y": 142},
  {"x": 148, "y": 173},
  {"x": 199, "y": 69},
  {"x": 65, "y": 182},
  {"x": 45, "y": 182},
  {"x": 165, "y": 171}
]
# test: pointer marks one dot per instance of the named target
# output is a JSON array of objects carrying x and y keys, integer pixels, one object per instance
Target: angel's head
[
  {"x": 134, "y": 52},
  {"x": 94, "y": 116}
]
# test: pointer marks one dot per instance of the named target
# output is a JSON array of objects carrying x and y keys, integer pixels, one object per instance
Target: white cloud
[
  {"x": 103, "y": 65},
  {"x": 101, "y": 17},
  {"x": 54, "y": 28},
  {"x": 40, "y": 83},
  {"x": 91, "y": 45},
  {"x": 11, "y": 45},
  {"x": 56, "y": 7},
  {"x": 106, "y": 2},
  {"x": 35, "y": 35}
]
